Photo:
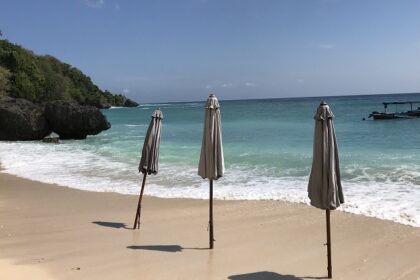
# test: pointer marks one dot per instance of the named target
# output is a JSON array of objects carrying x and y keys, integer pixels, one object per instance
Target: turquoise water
[{"x": 268, "y": 153}]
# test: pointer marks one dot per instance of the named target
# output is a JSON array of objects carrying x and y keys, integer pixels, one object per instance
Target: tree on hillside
[
  {"x": 43, "y": 78},
  {"x": 4, "y": 81}
]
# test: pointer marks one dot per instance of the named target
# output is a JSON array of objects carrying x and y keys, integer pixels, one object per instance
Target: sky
[{"x": 180, "y": 50}]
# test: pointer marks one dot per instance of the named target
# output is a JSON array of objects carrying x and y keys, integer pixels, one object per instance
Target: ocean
[{"x": 268, "y": 154}]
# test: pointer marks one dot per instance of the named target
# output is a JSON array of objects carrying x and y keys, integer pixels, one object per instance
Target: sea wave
[
  {"x": 378, "y": 194},
  {"x": 134, "y": 125}
]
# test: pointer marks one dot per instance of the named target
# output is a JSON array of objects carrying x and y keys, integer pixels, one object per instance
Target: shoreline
[
  {"x": 67, "y": 233},
  {"x": 407, "y": 222}
]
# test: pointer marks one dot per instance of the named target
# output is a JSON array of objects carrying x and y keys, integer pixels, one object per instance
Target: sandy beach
[{"x": 53, "y": 232}]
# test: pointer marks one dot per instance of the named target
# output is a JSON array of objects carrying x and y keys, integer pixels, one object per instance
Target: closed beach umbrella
[
  {"x": 211, "y": 165},
  {"x": 149, "y": 156},
  {"x": 324, "y": 188}
]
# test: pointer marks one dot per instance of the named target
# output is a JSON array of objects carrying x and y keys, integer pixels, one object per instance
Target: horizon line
[{"x": 273, "y": 98}]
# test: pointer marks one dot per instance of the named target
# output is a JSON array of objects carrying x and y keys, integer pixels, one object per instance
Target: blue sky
[{"x": 179, "y": 50}]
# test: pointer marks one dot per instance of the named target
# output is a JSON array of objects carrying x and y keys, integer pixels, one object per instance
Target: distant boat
[
  {"x": 414, "y": 113},
  {"x": 396, "y": 115},
  {"x": 385, "y": 116}
]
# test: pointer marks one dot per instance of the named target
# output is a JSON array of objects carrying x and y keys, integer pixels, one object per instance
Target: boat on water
[
  {"x": 396, "y": 115},
  {"x": 386, "y": 116},
  {"x": 414, "y": 113}
]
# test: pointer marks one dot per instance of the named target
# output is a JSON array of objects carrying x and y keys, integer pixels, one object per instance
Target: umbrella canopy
[
  {"x": 211, "y": 165},
  {"x": 324, "y": 188},
  {"x": 150, "y": 153},
  {"x": 149, "y": 156}
]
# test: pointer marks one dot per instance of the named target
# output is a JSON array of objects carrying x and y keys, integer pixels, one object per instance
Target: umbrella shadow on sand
[
  {"x": 268, "y": 275},
  {"x": 110, "y": 224},
  {"x": 163, "y": 248}
]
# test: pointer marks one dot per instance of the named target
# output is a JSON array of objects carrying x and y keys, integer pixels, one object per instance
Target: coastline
[
  {"x": 67, "y": 233},
  {"x": 380, "y": 179}
]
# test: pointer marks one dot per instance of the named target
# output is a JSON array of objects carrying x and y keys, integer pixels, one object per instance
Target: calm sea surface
[{"x": 268, "y": 153}]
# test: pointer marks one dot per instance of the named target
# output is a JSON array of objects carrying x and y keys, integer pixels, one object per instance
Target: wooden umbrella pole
[
  {"x": 211, "y": 233},
  {"x": 329, "y": 243},
  {"x": 137, "y": 220}
]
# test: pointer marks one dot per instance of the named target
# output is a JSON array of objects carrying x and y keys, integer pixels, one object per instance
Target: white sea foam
[
  {"x": 134, "y": 125},
  {"x": 76, "y": 166}
]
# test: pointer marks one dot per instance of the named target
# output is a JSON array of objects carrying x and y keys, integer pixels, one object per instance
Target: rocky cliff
[{"x": 21, "y": 119}]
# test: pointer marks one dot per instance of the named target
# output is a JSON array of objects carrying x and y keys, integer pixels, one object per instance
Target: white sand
[{"x": 52, "y": 232}]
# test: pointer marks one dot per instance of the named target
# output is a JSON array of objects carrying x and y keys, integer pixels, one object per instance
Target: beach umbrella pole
[
  {"x": 211, "y": 233},
  {"x": 327, "y": 213},
  {"x": 137, "y": 220}
]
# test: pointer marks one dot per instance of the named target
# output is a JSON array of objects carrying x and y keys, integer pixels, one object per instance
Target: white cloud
[
  {"x": 299, "y": 81},
  {"x": 326, "y": 46},
  {"x": 417, "y": 43},
  {"x": 208, "y": 87},
  {"x": 126, "y": 90},
  {"x": 95, "y": 3},
  {"x": 117, "y": 7},
  {"x": 249, "y": 84},
  {"x": 226, "y": 85}
]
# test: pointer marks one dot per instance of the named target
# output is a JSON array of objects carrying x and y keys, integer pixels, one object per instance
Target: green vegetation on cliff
[
  {"x": 40, "y": 79},
  {"x": 4, "y": 81}
]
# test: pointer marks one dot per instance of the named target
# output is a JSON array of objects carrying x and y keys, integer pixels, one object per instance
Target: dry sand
[{"x": 53, "y": 232}]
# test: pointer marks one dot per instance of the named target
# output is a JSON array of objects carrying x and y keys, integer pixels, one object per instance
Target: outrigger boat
[{"x": 396, "y": 115}]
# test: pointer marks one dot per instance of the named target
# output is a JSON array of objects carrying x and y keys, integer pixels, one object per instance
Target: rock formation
[
  {"x": 21, "y": 119},
  {"x": 72, "y": 121}
]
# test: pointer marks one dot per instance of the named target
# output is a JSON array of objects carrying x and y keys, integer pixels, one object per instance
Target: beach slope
[{"x": 54, "y": 232}]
